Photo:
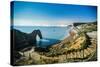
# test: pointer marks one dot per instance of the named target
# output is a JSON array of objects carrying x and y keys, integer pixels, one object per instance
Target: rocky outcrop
[{"x": 21, "y": 40}]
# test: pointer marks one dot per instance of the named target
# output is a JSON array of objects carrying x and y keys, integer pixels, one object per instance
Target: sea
[{"x": 51, "y": 34}]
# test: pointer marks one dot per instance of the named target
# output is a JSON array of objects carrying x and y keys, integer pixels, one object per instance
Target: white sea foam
[{"x": 44, "y": 40}]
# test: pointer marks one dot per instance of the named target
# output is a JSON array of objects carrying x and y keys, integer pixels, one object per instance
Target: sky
[{"x": 45, "y": 14}]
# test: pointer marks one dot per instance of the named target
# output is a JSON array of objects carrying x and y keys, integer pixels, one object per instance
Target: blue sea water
[{"x": 51, "y": 34}]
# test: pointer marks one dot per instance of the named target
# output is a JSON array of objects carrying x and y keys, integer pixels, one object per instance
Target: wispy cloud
[{"x": 28, "y": 22}]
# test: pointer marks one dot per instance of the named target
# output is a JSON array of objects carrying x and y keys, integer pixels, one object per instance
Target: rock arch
[{"x": 21, "y": 40}]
